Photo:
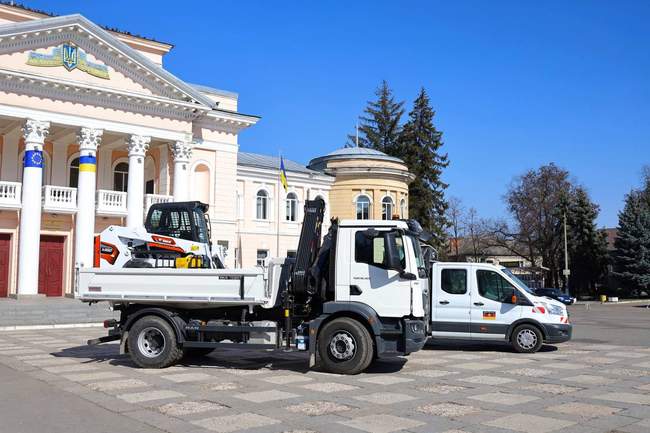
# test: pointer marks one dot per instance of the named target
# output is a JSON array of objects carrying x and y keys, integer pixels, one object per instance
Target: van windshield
[{"x": 517, "y": 281}]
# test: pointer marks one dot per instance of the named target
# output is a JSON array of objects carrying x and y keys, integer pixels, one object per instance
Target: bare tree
[{"x": 455, "y": 212}]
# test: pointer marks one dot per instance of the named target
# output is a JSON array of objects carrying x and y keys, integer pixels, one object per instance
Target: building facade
[
  {"x": 368, "y": 183},
  {"x": 93, "y": 130}
]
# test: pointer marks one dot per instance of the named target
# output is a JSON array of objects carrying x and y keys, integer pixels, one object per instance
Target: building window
[
  {"x": 402, "y": 208},
  {"x": 121, "y": 177},
  {"x": 149, "y": 187},
  {"x": 73, "y": 170},
  {"x": 262, "y": 255},
  {"x": 292, "y": 206},
  {"x": 363, "y": 207},
  {"x": 387, "y": 208},
  {"x": 262, "y": 205}
]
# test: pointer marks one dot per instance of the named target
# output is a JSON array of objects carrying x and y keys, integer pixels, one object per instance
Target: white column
[
  {"x": 88, "y": 139},
  {"x": 182, "y": 151},
  {"x": 138, "y": 146},
  {"x": 34, "y": 133}
]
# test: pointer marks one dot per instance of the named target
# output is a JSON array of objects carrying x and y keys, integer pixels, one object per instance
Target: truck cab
[{"x": 480, "y": 301}]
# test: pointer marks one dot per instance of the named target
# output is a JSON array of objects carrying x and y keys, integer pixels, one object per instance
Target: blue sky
[{"x": 514, "y": 84}]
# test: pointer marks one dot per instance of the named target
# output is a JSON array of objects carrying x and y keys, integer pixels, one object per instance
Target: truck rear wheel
[
  {"x": 152, "y": 343},
  {"x": 527, "y": 339},
  {"x": 345, "y": 346}
]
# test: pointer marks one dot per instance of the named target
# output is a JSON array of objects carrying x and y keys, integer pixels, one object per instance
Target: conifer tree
[
  {"x": 587, "y": 244},
  {"x": 419, "y": 147},
  {"x": 379, "y": 127},
  {"x": 632, "y": 253}
]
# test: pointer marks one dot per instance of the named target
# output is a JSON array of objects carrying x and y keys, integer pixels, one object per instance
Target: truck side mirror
[{"x": 393, "y": 260}]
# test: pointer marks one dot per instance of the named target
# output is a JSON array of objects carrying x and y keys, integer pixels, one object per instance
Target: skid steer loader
[{"x": 175, "y": 235}]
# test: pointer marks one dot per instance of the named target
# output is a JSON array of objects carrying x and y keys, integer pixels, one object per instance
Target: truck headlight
[{"x": 556, "y": 310}]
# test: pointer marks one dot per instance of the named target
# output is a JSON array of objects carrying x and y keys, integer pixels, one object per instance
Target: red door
[
  {"x": 5, "y": 241},
  {"x": 50, "y": 266}
]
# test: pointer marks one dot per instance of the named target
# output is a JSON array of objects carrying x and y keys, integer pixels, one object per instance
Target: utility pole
[{"x": 566, "y": 272}]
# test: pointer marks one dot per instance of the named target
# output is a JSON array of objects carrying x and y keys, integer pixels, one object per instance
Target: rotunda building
[{"x": 368, "y": 184}]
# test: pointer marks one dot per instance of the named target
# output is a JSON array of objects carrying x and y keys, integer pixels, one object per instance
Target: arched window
[
  {"x": 73, "y": 170},
  {"x": 262, "y": 205},
  {"x": 387, "y": 208},
  {"x": 363, "y": 207},
  {"x": 121, "y": 177},
  {"x": 402, "y": 207},
  {"x": 292, "y": 207}
]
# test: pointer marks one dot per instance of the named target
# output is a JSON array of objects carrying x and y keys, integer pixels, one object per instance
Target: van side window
[
  {"x": 493, "y": 286},
  {"x": 454, "y": 281},
  {"x": 371, "y": 250}
]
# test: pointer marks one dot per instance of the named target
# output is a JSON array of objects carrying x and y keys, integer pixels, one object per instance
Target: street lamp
[{"x": 566, "y": 272}]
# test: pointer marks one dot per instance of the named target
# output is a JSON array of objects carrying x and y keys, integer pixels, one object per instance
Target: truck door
[
  {"x": 371, "y": 282},
  {"x": 492, "y": 307},
  {"x": 451, "y": 302}
]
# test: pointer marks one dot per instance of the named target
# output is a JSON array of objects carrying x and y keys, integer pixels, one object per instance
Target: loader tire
[
  {"x": 152, "y": 343},
  {"x": 345, "y": 346}
]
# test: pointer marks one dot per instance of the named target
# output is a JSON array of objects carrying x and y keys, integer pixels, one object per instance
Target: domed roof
[
  {"x": 351, "y": 153},
  {"x": 356, "y": 151}
]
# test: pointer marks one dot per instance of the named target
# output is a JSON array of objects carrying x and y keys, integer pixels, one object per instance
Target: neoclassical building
[{"x": 93, "y": 130}]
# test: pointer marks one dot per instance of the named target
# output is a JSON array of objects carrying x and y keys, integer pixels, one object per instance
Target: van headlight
[{"x": 556, "y": 310}]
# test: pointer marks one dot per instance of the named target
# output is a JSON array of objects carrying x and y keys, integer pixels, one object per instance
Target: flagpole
[{"x": 277, "y": 239}]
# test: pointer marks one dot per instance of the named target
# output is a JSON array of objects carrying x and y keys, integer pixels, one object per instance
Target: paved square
[{"x": 434, "y": 390}]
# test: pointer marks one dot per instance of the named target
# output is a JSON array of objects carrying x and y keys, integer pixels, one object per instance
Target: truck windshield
[{"x": 519, "y": 283}]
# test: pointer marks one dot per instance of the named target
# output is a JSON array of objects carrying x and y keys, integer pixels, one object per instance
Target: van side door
[
  {"x": 492, "y": 307},
  {"x": 450, "y": 303},
  {"x": 371, "y": 282}
]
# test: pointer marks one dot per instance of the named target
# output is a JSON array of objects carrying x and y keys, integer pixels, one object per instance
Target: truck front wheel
[
  {"x": 152, "y": 343},
  {"x": 345, "y": 346}
]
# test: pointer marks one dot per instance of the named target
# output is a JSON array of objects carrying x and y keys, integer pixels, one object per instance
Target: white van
[{"x": 480, "y": 301}]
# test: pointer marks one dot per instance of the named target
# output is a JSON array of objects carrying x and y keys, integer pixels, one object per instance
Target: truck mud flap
[{"x": 105, "y": 339}]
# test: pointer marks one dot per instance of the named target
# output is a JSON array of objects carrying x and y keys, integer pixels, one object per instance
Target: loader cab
[{"x": 184, "y": 220}]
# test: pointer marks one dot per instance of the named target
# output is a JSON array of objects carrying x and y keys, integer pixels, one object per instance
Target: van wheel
[
  {"x": 152, "y": 343},
  {"x": 345, "y": 346},
  {"x": 527, "y": 339}
]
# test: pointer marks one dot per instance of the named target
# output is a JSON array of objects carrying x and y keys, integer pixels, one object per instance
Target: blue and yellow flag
[{"x": 283, "y": 175}]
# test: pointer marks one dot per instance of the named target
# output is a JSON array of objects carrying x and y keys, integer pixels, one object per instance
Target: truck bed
[{"x": 188, "y": 288}]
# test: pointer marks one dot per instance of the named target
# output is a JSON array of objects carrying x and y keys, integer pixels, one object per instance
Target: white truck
[
  {"x": 360, "y": 295},
  {"x": 480, "y": 301}
]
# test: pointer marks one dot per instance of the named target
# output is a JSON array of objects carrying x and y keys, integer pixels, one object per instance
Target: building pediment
[{"x": 72, "y": 58}]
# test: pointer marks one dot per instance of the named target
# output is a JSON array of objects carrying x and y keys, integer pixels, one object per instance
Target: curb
[
  {"x": 54, "y": 326},
  {"x": 631, "y": 301}
]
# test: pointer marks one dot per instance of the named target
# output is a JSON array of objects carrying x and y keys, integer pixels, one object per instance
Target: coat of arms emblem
[{"x": 70, "y": 56}]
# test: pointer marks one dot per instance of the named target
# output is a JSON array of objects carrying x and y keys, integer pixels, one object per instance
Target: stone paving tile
[
  {"x": 382, "y": 423},
  {"x": 626, "y": 372},
  {"x": 529, "y": 423},
  {"x": 427, "y": 361},
  {"x": 231, "y": 423},
  {"x": 287, "y": 379},
  {"x": 565, "y": 366},
  {"x": 551, "y": 388},
  {"x": 318, "y": 408},
  {"x": 116, "y": 385},
  {"x": 432, "y": 373},
  {"x": 329, "y": 387},
  {"x": 385, "y": 380},
  {"x": 624, "y": 397},
  {"x": 513, "y": 361},
  {"x": 465, "y": 357},
  {"x": 487, "y": 380},
  {"x": 598, "y": 360},
  {"x": 266, "y": 396},
  {"x": 385, "y": 398},
  {"x": 626, "y": 354},
  {"x": 588, "y": 379},
  {"x": 440, "y": 388},
  {"x": 477, "y": 366},
  {"x": 583, "y": 410},
  {"x": 530, "y": 372},
  {"x": 70, "y": 368},
  {"x": 221, "y": 386},
  {"x": 101, "y": 375},
  {"x": 140, "y": 397},
  {"x": 189, "y": 408},
  {"x": 645, "y": 387},
  {"x": 504, "y": 398},
  {"x": 188, "y": 377},
  {"x": 451, "y": 410}
]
